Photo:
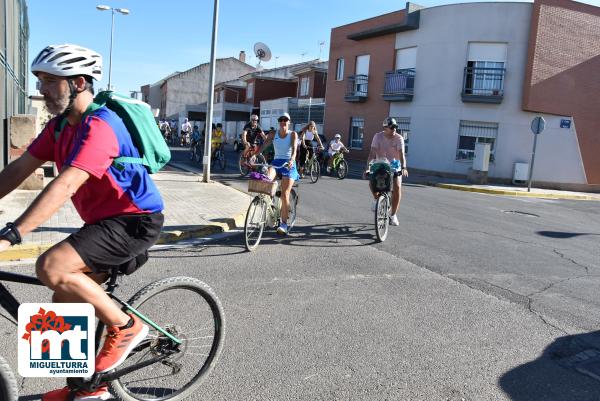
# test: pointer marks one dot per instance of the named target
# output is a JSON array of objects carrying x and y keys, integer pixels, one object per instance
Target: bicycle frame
[
  {"x": 11, "y": 305},
  {"x": 337, "y": 159}
]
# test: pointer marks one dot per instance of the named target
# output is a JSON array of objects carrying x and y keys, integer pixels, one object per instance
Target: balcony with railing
[
  {"x": 357, "y": 88},
  {"x": 399, "y": 85},
  {"x": 483, "y": 85}
]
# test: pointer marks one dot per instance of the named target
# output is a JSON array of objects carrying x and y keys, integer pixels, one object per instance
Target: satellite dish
[{"x": 262, "y": 52}]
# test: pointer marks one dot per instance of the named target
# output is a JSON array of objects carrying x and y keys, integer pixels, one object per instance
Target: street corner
[
  {"x": 24, "y": 251},
  {"x": 518, "y": 193}
]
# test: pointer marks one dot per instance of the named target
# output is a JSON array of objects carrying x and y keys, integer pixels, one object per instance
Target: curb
[
  {"x": 465, "y": 188},
  {"x": 33, "y": 251}
]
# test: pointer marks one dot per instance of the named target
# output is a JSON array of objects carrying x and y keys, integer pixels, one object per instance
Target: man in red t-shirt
[
  {"x": 389, "y": 144},
  {"x": 120, "y": 205}
]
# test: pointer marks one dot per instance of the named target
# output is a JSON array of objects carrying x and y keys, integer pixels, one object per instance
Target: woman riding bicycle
[
  {"x": 284, "y": 142},
  {"x": 308, "y": 135}
]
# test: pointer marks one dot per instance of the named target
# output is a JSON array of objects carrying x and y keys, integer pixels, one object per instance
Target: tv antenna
[
  {"x": 262, "y": 53},
  {"x": 321, "y": 44}
]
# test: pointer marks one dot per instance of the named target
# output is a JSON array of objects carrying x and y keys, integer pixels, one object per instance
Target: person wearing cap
[
  {"x": 335, "y": 146},
  {"x": 389, "y": 144},
  {"x": 186, "y": 130},
  {"x": 110, "y": 200},
  {"x": 284, "y": 141}
]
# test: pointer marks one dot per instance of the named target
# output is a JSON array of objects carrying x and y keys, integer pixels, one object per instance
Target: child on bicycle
[{"x": 335, "y": 146}]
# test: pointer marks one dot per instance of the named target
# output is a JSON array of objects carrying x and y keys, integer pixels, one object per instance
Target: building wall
[
  {"x": 319, "y": 84},
  {"x": 13, "y": 67},
  {"x": 191, "y": 87},
  {"x": 563, "y": 72},
  {"x": 265, "y": 89},
  {"x": 436, "y": 111},
  {"x": 338, "y": 112}
]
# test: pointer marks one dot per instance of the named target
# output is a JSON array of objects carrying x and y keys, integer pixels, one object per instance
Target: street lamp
[{"x": 123, "y": 11}]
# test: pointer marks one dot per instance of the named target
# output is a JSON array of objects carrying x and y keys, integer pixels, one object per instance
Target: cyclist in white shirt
[
  {"x": 186, "y": 130},
  {"x": 335, "y": 146}
]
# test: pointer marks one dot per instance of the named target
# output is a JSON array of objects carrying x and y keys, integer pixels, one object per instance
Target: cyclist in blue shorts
[{"x": 284, "y": 141}]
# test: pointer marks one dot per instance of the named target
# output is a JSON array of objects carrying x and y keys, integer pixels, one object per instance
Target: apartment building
[
  {"x": 462, "y": 74},
  {"x": 13, "y": 69}
]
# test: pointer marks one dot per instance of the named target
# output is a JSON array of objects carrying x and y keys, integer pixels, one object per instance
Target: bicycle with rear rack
[
  {"x": 265, "y": 209},
  {"x": 176, "y": 356}
]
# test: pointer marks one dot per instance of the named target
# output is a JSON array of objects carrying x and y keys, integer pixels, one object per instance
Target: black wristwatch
[{"x": 11, "y": 234}]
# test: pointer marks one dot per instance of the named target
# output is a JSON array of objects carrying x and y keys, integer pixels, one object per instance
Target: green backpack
[{"x": 140, "y": 123}]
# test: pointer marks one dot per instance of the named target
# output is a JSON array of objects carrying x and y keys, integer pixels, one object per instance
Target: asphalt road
[{"x": 473, "y": 297}]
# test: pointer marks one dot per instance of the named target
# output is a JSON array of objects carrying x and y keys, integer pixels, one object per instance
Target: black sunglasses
[{"x": 283, "y": 119}]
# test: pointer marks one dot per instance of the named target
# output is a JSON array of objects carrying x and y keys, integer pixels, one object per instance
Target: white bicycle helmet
[{"x": 68, "y": 60}]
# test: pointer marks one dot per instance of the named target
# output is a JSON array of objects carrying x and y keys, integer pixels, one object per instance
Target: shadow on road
[
  {"x": 330, "y": 235},
  {"x": 561, "y": 373},
  {"x": 562, "y": 234}
]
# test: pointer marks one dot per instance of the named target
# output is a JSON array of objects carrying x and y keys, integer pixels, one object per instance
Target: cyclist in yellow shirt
[{"x": 218, "y": 138}]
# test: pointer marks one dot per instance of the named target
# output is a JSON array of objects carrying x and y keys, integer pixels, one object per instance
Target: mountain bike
[
  {"x": 219, "y": 157},
  {"x": 9, "y": 390},
  {"x": 265, "y": 210},
  {"x": 339, "y": 165},
  {"x": 249, "y": 159},
  {"x": 186, "y": 335}
]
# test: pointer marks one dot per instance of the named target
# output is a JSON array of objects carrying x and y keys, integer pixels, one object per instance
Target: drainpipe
[{"x": 5, "y": 117}]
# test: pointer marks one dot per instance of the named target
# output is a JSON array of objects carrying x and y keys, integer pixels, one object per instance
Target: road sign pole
[{"x": 535, "y": 137}]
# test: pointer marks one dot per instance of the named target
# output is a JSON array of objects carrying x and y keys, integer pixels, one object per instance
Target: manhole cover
[{"x": 517, "y": 212}]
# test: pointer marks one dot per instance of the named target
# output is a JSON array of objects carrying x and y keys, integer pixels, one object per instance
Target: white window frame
[
  {"x": 339, "y": 69},
  {"x": 359, "y": 124},
  {"x": 304, "y": 85},
  {"x": 483, "y": 132}
]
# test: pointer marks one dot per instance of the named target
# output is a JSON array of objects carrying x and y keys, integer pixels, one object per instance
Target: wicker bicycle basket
[{"x": 262, "y": 187}]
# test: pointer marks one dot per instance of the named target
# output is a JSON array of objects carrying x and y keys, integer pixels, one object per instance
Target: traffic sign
[{"x": 537, "y": 125}]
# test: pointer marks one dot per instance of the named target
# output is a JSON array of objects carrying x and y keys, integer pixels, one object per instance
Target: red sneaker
[
  {"x": 63, "y": 395},
  {"x": 119, "y": 343}
]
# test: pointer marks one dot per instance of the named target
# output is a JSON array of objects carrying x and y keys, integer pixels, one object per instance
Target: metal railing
[
  {"x": 479, "y": 81},
  {"x": 400, "y": 82},
  {"x": 358, "y": 86}
]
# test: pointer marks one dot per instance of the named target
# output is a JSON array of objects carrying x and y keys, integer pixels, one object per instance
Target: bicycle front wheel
[
  {"x": 342, "y": 169},
  {"x": 8, "y": 384},
  {"x": 188, "y": 309},
  {"x": 243, "y": 164},
  {"x": 293, "y": 209},
  {"x": 382, "y": 219},
  {"x": 256, "y": 219},
  {"x": 222, "y": 161},
  {"x": 315, "y": 171}
]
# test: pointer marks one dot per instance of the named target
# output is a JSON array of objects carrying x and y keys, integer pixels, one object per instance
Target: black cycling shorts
[{"x": 121, "y": 241}]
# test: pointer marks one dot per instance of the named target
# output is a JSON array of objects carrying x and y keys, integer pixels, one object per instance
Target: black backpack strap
[{"x": 58, "y": 127}]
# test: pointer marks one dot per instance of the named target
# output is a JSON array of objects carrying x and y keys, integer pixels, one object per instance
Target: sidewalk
[
  {"x": 192, "y": 209},
  {"x": 356, "y": 169}
]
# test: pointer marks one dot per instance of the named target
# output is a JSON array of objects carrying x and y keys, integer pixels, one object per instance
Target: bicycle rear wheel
[
  {"x": 342, "y": 169},
  {"x": 382, "y": 218},
  {"x": 222, "y": 161},
  {"x": 244, "y": 169},
  {"x": 8, "y": 384},
  {"x": 314, "y": 170},
  {"x": 256, "y": 219},
  {"x": 292, "y": 210},
  {"x": 190, "y": 310}
]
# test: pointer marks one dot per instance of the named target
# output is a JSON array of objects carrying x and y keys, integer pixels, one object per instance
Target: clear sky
[{"x": 159, "y": 37}]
